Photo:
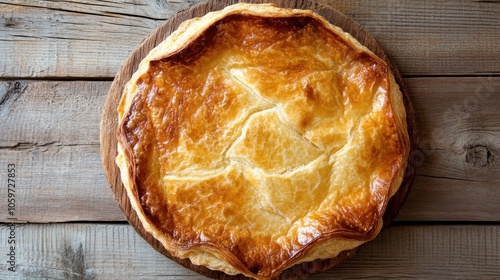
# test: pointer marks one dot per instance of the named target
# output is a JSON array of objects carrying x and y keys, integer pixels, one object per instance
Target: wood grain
[
  {"x": 50, "y": 131},
  {"x": 109, "y": 125},
  {"x": 75, "y": 38},
  {"x": 60, "y": 177},
  {"x": 460, "y": 145},
  {"x": 470, "y": 120},
  {"x": 115, "y": 251},
  {"x": 42, "y": 136},
  {"x": 92, "y": 39}
]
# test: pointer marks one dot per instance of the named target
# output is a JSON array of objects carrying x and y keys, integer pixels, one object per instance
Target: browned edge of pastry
[{"x": 109, "y": 124}]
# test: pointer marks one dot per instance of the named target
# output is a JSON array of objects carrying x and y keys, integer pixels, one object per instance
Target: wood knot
[
  {"x": 74, "y": 263},
  {"x": 10, "y": 22},
  {"x": 12, "y": 90},
  {"x": 479, "y": 156}
]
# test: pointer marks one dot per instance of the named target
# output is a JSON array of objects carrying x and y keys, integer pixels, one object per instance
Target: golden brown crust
[{"x": 256, "y": 138}]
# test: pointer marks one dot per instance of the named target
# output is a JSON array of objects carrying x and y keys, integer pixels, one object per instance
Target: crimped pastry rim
[{"x": 128, "y": 170}]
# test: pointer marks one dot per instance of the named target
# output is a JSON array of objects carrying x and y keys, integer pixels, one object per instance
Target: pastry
[{"x": 256, "y": 138}]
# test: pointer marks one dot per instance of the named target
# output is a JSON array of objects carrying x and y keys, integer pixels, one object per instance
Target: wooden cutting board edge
[{"x": 109, "y": 122}]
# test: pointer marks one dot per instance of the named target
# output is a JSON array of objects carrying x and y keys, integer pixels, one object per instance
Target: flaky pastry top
[{"x": 255, "y": 138}]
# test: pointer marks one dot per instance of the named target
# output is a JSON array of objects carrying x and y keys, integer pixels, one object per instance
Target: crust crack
[{"x": 240, "y": 204}]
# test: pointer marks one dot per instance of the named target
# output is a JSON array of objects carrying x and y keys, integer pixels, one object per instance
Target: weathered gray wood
[
  {"x": 75, "y": 38},
  {"x": 467, "y": 111},
  {"x": 92, "y": 39},
  {"x": 458, "y": 168},
  {"x": 433, "y": 37},
  {"x": 50, "y": 130},
  {"x": 115, "y": 251},
  {"x": 54, "y": 112}
]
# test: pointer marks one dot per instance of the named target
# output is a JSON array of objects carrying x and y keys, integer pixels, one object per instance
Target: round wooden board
[{"x": 109, "y": 124}]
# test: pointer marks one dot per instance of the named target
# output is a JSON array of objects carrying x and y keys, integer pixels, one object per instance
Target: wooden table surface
[{"x": 57, "y": 62}]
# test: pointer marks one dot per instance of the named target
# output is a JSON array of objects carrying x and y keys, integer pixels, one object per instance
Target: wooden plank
[
  {"x": 75, "y": 38},
  {"x": 457, "y": 170},
  {"x": 433, "y": 37},
  {"x": 92, "y": 39},
  {"x": 55, "y": 112},
  {"x": 467, "y": 111},
  {"x": 50, "y": 130},
  {"x": 447, "y": 199},
  {"x": 115, "y": 251}
]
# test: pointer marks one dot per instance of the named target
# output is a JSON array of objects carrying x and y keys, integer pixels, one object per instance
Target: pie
[{"x": 256, "y": 138}]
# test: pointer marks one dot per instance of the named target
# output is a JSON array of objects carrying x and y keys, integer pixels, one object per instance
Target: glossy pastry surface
[{"x": 256, "y": 138}]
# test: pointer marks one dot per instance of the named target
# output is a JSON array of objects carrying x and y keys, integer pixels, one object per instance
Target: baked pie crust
[{"x": 255, "y": 138}]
